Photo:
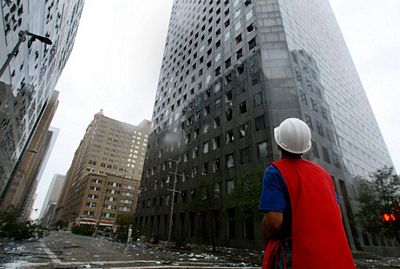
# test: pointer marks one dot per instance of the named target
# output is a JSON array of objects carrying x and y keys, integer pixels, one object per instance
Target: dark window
[
  {"x": 216, "y": 142},
  {"x": 315, "y": 149},
  {"x": 260, "y": 123},
  {"x": 320, "y": 129},
  {"x": 252, "y": 43},
  {"x": 217, "y": 122},
  {"x": 229, "y": 114},
  {"x": 244, "y": 155},
  {"x": 325, "y": 154}
]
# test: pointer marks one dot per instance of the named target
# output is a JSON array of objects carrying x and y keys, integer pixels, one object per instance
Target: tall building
[
  {"x": 104, "y": 178},
  {"x": 31, "y": 76},
  {"x": 20, "y": 189},
  {"x": 49, "y": 205},
  {"x": 232, "y": 71}
]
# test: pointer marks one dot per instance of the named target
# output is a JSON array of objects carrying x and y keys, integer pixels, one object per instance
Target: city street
[{"x": 66, "y": 250}]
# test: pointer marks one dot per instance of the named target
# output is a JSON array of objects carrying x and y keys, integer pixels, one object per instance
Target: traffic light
[{"x": 390, "y": 217}]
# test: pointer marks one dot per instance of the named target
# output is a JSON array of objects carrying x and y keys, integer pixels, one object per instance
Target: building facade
[
  {"x": 46, "y": 216},
  {"x": 21, "y": 187},
  {"x": 31, "y": 76},
  {"x": 232, "y": 71},
  {"x": 104, "y": 178}
]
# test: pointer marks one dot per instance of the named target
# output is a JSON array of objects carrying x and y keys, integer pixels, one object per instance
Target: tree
[
  {"x": 376, "y": 197},
  {"x": 124, "y": 222},
  {"x": 205, "y": 200},
  {"x": 246, "y": 194}
]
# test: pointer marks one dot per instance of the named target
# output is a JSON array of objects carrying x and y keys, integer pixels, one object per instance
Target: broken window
[
  {"x": 217, "y": 122},
  {"x": 204, "y": 170},
  {"x": 243, "y": 107},
  {"x": 238, "y": 39},
  {"x": 206, "y": 110},
  {"x": 240, "y": 69},
  {"x": 216, "y": 165},
  {"x": 229, "y": 114},
  {"x": 228, "y": 97},
  {"x": 229, "y": 138},
  {"x": 229, "y": 161},
  {"x": 196, "y": 133},
  {"x": 195, "y": 152},
  {"x": 205, "y": 147},
  {"x": 243, "y": 130},
  {"x": 216, "y": 142}
]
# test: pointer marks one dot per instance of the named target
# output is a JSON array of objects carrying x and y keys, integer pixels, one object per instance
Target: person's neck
[{"x": 291, "y": 157}]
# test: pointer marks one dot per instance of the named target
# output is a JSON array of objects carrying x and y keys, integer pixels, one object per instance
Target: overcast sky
[{"x": 117, "y": 56}]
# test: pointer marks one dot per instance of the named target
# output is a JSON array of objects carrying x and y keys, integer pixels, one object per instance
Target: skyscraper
[
  {"x": 30, "y": 78},
  {"x": 49, "y": 205},
  {"x": 232, "y": 71},
  {"x": 104, "y": 178}
]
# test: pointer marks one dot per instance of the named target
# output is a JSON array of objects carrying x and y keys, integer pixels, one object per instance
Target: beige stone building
[{"x": 104, "y": 178}]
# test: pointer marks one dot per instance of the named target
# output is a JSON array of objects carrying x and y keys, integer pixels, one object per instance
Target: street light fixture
[{"x": 22, "y": 37}]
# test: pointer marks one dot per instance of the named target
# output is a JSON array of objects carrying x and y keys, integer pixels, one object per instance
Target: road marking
[{"x": 51, "y": 254}]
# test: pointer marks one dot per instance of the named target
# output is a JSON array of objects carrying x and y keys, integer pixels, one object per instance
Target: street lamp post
[
  {"x": 173, "y": 197},
  {"x": 22, "y": 37}
]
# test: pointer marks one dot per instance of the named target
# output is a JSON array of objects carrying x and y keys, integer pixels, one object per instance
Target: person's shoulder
[{"x": 315, "y": 166}]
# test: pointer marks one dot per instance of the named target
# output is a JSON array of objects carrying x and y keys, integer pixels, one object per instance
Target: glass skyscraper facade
[
  {"x": 232, "y": 71},
  {"x": 31, "y": 76}
]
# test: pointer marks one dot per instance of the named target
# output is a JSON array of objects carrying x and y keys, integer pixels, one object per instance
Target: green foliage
[
  {"x": 246, "y": 194},
  {"x": 375, "y": 197},
  {"x": 124, "y": 221},
  {"x": 11, "y": 227}
]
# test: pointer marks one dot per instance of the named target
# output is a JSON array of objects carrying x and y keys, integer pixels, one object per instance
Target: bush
[
  {"x": 11, "y": 227},
  {"x": 84, "y": 229}
]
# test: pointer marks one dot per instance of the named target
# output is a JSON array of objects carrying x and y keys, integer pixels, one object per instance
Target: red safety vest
[{"x": 318, "y": 236}]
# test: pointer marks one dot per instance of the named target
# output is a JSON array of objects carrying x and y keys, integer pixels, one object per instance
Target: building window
[
  {"x": 259, "y": 123},
  {"x": 216, "y": 142},
  {"x": 262, "y": 150},
  {"x": 243, "y": 107},
  {"x": 229, "y": 137},
  {"x": 229, "y": 161},
  {"x": 205, "y": 148},
  {"x": 217, "y": 122},
  {"x": 245, "y": 155},
  {"x": 243, "y": 130},
  {"x": 230, "y": 185},
  {"x": 229, "y": 114},
  {"x": 204, "y": 170},
  {"x": 325, "y": 154},
  {"x": 216, "y": 165},
  {"x": 320, "y": 129},
  {"x": 315, "y": 149},
  {"x": 258, "y": 100}
]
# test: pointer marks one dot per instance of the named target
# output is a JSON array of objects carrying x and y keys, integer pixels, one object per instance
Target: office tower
[
  {"x": 29, "y": 169},
  {"x": 104, "y": 178},
  {"x": 30, "y": 77},
  {"x": 232, "y": 71},
  {"x": 49, "y": 205}
]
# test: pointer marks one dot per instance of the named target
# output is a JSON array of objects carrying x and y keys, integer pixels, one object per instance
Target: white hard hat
[{"x": 293, "y": 135}]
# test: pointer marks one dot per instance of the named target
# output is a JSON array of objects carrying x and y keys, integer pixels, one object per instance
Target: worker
[{"x": 302, "y": 226}]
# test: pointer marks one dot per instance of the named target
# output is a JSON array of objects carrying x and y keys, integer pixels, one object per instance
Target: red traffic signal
[{"x": 390, "y": 217}]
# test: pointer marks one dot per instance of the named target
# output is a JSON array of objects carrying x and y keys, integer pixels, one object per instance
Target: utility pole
[{"x": 173, "y": 197}]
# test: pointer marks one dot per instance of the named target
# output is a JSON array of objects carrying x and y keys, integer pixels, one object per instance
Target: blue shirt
[{"x": 274, "y": 194}]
